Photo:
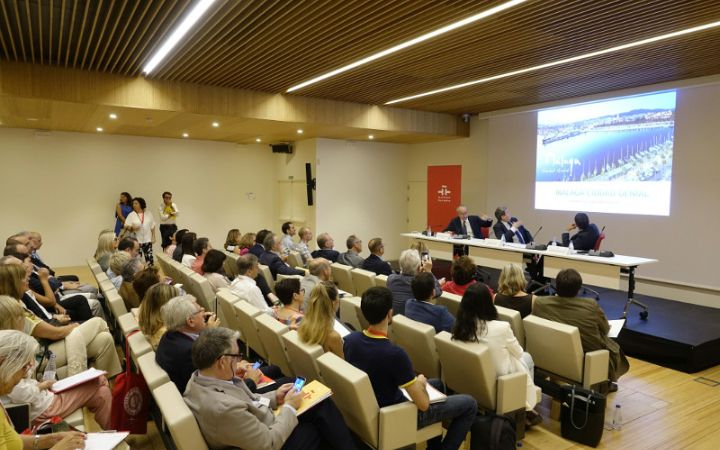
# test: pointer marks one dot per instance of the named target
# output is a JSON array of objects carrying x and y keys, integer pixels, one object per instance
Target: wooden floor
[{"x": 662, "y": 409}]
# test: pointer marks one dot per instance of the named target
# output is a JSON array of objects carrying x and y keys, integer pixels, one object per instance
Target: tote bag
[{"x": 130, "y": 399}]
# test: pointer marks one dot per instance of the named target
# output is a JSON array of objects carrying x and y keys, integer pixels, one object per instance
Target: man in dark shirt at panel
[
  {"x": 422, "y": 310},
  {"x": 587, "y": 234},
  {"x": 389, "y": 369},
  {"x": 510, "y": 227},
  {"x": 374, "y": 262},
  {"x": 325, "y": 248}
]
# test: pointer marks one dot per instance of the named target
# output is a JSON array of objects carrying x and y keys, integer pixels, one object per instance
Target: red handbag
[{"x": 130, "y": 399}]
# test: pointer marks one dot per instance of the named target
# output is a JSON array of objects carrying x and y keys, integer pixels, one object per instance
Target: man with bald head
[{"x": 468, "y": 225}]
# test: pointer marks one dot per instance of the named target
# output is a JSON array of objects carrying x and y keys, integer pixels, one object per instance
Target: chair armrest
[
  {"x": 596, "y": 367},
  {"x": 397, "y": 425},
  {"x": 511, "y": 392}
]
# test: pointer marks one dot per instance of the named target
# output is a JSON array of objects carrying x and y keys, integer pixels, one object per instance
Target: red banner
[{"x": 443, "y": 194}]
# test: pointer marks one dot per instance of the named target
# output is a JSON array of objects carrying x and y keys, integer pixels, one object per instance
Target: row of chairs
[{"x": 193, "y": 283}]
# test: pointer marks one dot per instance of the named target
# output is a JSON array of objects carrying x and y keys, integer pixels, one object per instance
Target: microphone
[
  {"x": 535, "y": 246},
  {"x": 537, "y": 233},
  {"x": 601, "y": 231}
]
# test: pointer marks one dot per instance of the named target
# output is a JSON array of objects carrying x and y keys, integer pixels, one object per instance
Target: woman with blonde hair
[
  {"x": 107, "y": 244},
  {"x": 149, "y": 317},
  {"x": 232, "y": 240},
  {"x": 246, "y": 242},
  {"x": 17, "y": 357},
  {"x": 317, "y": 326},
  {"x": 511, "y": 290},
  {"x": 44, "y": 404}
]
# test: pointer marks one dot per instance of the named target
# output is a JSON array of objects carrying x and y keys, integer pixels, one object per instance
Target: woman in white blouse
[
  {"x": 477, "y": 321},
  {"x": 142, "y": 224}
]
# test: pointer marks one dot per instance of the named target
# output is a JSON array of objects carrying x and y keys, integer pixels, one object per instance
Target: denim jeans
[{"x": 459, "y": 409}]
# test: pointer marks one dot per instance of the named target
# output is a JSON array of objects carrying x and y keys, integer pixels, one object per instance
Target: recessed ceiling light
[
  {"x": 559, "y": 62},
  {"x": 371, "y": 137},
  {"x": 258, "y": 140},
  {"x": 32, "y": 119},
  {"x": 215, "y": 124},
  {"x": 195, "y": 14},
  {"x": 299, "y": 131},
  {"x": 112, "y": 116},
  {"x": 411, "y": 42},
  {"x": 99, "y": 129},
  {"x": 185, "y": 135}
]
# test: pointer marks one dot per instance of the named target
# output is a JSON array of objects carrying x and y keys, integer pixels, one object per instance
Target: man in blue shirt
[
  {"x": 389, "y": 369},
  {"x": 420, "y": 308}
]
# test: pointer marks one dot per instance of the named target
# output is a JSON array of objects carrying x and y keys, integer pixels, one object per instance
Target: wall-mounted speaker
[{"x": 282, "y": 148}]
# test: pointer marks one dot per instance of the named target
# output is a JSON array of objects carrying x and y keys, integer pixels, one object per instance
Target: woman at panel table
[{"x": 586, "y": 236}]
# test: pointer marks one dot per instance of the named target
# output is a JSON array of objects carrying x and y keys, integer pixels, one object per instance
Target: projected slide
[{"x": 613, "y": 156}]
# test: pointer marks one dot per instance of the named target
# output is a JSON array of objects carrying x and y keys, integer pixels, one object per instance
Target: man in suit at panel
[
  {"x": 468, "y": 225},
  {"x": 587, "y": 234},
  {"x": 510, "y": 227}
]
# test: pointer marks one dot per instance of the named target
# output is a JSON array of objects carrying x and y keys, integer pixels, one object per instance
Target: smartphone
[
  {"x": 299, "y": 383},
  {"x": 257, "y": 365},
  {"x": 425, "y": 256}
]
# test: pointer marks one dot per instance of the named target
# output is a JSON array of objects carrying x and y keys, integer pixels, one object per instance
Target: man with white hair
[
  {"x": 325, "y": 250},
  {"x": 320, "y": 271},
  {"x": 244, "y": 285},
  {"x": 464, "y": 224},
  {"x": 401, "y": 284},
  {"x": 271, "y": 257},
  {"x": 184, "y": 320}
]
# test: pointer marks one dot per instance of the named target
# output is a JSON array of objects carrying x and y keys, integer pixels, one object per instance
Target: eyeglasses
[{"x": 232, "y": 355}]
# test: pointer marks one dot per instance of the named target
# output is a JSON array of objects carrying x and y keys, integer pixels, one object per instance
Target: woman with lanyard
[{"x": 142, "y": 224}]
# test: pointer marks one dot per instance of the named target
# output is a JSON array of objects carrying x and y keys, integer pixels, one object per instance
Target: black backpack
[{"x": 493, "y": 432}]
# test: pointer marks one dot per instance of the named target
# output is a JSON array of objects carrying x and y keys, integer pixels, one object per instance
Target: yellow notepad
[{"x": 315, "y": 392}]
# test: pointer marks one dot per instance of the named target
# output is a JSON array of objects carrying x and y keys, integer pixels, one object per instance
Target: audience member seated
[
  {"x": 420, "y": 307},
  {"x": 17, "y": 354},
  {"x": 144, "y": 279},
  {"x": 320, "y": 271},
  {"x": 126, "y": 291},
  {"x": 107, "y": 244},
  {"x": 149, "y": 316},
  {"x": 118, "y": 260},
  {"x": 232, "y": 240},
  {"x": 246, "y": 242},
  {"x": 389, "y": 369},
  {"x": 291, "y": 299},
  {"x": 585, "y": 314},
  {"x": 399, "y": 284},
  {"x": 187, "y": 244},
  {"x": 352, "y": 256},
  {"x": 213, "y": 269},
  {"x": 200, "y": 247},
  {"x": 511, "y": 290},
  {"x": 244, "y": 285},
  {"x": 586, "y": 236},
  {"x": 317, "y": 327},
  {"x": 172, "y": 245},
  {"x": 464, "y": 224},
  {"x": 34, "y": 243},
  {"x": 231, "y": 416},
  {"x": 286, "y": 244},
  {"x": 374, "y": 262},
  {"x": 477, "y": 321},
  {"x": 271, "y": 258},
  {"x": 325, "y": 248},
  {"x": 258, "y": 249},
  {"x": 129, "y": 245},
  {"x": 177, "y": 253},
  {"x": 44, "y": 404},
  {"x": 463, "y": 275},
  {"x": 184, "y": 320},
  {"x": 510, "y": 228},
  {"x": 302, "y": 247}
]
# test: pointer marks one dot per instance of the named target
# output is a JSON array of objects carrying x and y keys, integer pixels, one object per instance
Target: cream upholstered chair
[
  {"x": 303, "y": 357},
  {"x": 270, "y": 332},
  {"x": 226, "y": 300},
  {"x": 200, "y": 287},
  {"x": 230, "y": 264},
  {"x": 342, "y": 275},
  {"x": 165, "y": 266},
  {"x": 450, "y": 301},
  {"x": 265, "y": 270},
  {"x": 94, "y": 266},
  {"x": 153, "y": 374},
  {"x": 362, "y": 280},
  {"x": 245, "y": 313},
  {"x": 418, "y": 340},
  {"x": 504, "y": 394},
  {"x": 294, "y": 259},
  {"x": 139, "y": 345},
  {"x": 283, "y": 277},
  {"x": 350, "y": 313},
  {"x": 178, "y": 418},
  {"x": 557, "y": 350},
  {"x": 381, "y": 280},
  {"x": 128, "y": 323},
  {"x": 514, "y": 318},
  {"x": 116, "y": 303},
  {"x": 390, "y": 427}
]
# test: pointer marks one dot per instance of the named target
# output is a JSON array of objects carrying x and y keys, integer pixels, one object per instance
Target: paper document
[
  {"x": 434, "y": 395},
  {"x": 79, "y": 378},
  {"x": 104, "y": 441},
  {"x": 340, "y": 328},
  {"x": 615, "y": 327}
]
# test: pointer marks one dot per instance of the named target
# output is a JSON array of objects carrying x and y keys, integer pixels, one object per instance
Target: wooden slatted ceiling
[{"x": 270, "y": 45}]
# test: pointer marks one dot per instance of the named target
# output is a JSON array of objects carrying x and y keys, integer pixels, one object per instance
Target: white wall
[{"x": 65, "y": 185}]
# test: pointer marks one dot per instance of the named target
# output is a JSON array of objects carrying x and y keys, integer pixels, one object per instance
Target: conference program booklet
[
  {"x": 434, "y": 395},
  {"x": 77, "y": 379},
  {"x": 264, "y": 381},
  {"x": 615, "y": 327},
  {"x": 314, "y": 392}
]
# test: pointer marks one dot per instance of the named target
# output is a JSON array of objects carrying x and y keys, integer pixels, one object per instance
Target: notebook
[
  {"x": 78, "y": 378},
  {"x": 434, "y": 395}
]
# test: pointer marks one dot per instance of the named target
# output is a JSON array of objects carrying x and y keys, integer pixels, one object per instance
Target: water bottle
[
  {"x": 428, "y": 232},
  {"x": 571, "y": 247},
  {"x": 49, "y": 373},
  {"x": 617, "y": 418},
  {"x": 554, "y": 241},
  {"x": 502, "y": 240}
]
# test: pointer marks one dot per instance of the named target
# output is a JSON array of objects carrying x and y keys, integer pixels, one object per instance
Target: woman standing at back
[
  {"x": 122, "y": 209},
  {"x": 142, "y": 223}
]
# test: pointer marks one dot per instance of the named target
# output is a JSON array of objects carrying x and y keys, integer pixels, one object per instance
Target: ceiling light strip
[
  {"x": 559, "y": 62},
  {"x": 410, "y": 43},
  {"x": 195, "y": 14}
]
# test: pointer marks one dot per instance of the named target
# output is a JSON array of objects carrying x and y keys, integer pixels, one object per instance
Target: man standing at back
[
  {"x": 465, "y": 224},
  {"x": 389, "y": 369}
]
